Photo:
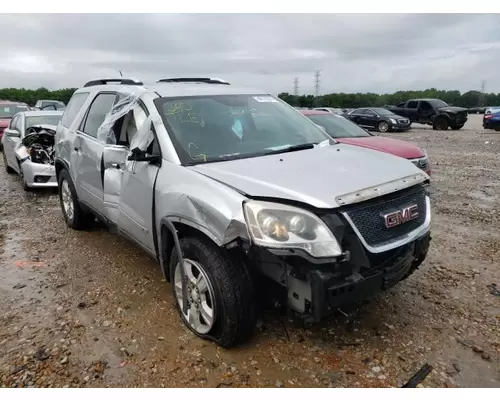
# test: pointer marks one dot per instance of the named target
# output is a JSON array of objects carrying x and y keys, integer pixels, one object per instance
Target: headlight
[
  {"x": 393, "y": 121},
  {"x": 285, "y": 227}
]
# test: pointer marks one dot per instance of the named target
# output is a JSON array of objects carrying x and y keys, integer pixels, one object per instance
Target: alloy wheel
[{"x": 200, "y": 314}]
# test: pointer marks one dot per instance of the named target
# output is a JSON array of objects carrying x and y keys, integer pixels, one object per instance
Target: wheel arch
[
  {"x": 60, "y": 165},
  {"x": 172, "y": 229}
]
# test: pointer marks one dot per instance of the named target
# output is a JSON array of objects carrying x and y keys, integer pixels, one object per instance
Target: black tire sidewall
[
  {"x": 6, "y": 164},
  {"x": 441, "y": 124},
  {"x": 64, "y": 176},
  {"x": 213, "y": 261},
  {"x": 380, "y": 130},
  {"x": 191, "y": 250}
]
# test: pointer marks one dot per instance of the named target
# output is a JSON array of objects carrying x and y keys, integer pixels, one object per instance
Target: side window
[
  {"x": 74, "y": 105},
  {"x": 18, "y": 123},
  {"x": 359, "y": 111},
  {"x": 13, "y": 122},
  {"x": 127, "y": 126},
  {"x": 425, "y": 106},
  {"x": 97, "y": 112},
  {"x": 370, "y": 113},
  {"x": 412, "y": 104}
]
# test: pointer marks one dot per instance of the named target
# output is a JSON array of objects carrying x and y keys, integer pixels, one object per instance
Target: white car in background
[{"x": 28, "y": 147}]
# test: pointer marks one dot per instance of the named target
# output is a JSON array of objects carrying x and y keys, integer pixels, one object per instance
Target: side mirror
[
  {"x": 12, "y": 133},
  {"x": 141, "y": 156}
]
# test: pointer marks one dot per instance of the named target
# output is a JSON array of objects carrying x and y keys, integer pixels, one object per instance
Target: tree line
[
  {"x": 468, "y": 99},
  {"x": 30, "y": 96}
]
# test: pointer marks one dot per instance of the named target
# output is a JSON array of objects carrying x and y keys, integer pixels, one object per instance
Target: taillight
[{"x": 487, "y": 116}]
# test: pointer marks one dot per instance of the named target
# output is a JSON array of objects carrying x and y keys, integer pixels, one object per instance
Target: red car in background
[
  {"x": 7, "y": 110},
  {"x": 347, "y": 132}
]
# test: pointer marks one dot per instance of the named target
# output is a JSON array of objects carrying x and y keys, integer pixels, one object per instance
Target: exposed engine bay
[{"x": 39, "y": 144}]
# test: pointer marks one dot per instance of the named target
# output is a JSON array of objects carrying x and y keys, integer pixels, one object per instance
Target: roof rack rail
[
  {"x": 195, "y": 80},
  {"x": 119, "y": 81}
]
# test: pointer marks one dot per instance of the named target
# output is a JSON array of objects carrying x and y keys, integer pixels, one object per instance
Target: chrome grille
[{"x": 368, "y": 217}]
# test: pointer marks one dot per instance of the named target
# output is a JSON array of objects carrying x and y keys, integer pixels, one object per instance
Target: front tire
[
  {"x": 457, "y": 127},
  {"x": 440, "y": 124},
  {"x": 73, "y": 214},
  {"x": 383, "y": 127},
  {"x": 221, "y": 302},
  {"x": 8, "y": 169}
]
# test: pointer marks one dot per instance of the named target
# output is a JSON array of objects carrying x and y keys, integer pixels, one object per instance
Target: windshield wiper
[{"x": 288, "y": 149}]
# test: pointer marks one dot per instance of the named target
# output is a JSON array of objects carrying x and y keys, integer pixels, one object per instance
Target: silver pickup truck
[{"x": 239, "y": 197}]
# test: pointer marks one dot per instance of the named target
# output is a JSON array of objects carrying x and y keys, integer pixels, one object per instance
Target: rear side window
[
  {"x": 100, "y": 107},
  {"x": 74, "y": 105},
  {"x": 412, "y": 104}
]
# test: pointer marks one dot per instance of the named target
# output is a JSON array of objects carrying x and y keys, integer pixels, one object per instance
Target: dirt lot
[{"x": 89, "y": 309}]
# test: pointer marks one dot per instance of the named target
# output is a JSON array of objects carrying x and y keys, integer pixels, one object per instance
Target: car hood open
[
  {"x": 317, "y": 177},
  {"x": 392, "y": 146}
]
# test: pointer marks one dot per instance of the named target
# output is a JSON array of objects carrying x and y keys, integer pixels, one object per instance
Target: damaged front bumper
[
  {"x": 316, "y": 291},
  {"x": 347, "y": 286},
  {"x": 39, "y": 175}
]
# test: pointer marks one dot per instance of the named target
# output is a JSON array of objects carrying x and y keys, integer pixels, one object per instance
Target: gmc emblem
[{"x": 401, "y": 216}]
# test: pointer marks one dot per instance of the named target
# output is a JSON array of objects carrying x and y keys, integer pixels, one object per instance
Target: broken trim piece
[
  {"x": 381, "y": 190},
  {"x": 170, "y": 226}
]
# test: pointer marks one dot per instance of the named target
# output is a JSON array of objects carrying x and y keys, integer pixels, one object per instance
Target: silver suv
[{"x": 240, "y": 198}]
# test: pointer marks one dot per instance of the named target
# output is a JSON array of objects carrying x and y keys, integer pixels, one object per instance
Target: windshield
[
  {"x": 8, "y": 110},
  {"x": 54, "y": 105},
  {"x": 42, "y": 120},
  {"x": 337, "y": 126},
  {"x": 438, "y": 103},
  {"x": 224, "y": 127}
]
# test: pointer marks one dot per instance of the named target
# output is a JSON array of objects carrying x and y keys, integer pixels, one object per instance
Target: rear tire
[
  {"x": 228, "y": 284},
  {"x": 73, "y": 214},
  {"x": 8, "y": 169}
]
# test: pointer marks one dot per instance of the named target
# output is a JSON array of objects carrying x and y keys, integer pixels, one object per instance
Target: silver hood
[{"x": 323, "y": 177}]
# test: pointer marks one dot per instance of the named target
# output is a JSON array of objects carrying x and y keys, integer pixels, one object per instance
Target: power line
[{"x": 317, "y": 76}]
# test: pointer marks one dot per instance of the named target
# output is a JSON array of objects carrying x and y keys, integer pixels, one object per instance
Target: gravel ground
[{"x": 89, "y": 309}]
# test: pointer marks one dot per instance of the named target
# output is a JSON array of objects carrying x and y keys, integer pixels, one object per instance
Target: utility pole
[
  {"x": 296, "y": 86},
  {"x": 317, "y": 75},
  {"x": 296, "y": 90},
  {"x": 482, "y": 95}
]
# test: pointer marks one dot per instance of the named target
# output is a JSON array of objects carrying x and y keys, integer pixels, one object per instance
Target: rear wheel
[
  {"x": 73, "y": 214},
  {"x": 8, "y": 169},
  {"x": 219, "y": 292},
  {"x": 383, "y": 126},
  {"x": 440, "y": 124}
]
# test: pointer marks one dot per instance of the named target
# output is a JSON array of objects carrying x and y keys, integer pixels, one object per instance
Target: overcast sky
[{"x": 355, "y": 53}]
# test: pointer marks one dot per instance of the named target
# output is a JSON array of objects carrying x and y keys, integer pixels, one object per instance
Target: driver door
[
  {"x": 425, "y": 111},
  {"x": 129, "y": 185}
]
